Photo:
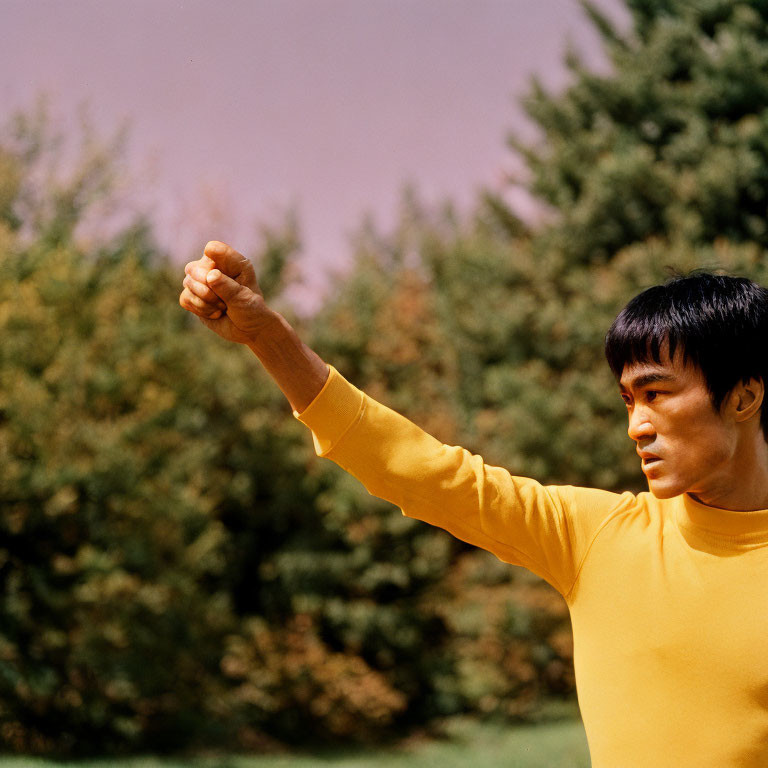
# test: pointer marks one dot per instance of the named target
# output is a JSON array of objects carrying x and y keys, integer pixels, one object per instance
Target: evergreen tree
[{"x": 672, "y": 143}]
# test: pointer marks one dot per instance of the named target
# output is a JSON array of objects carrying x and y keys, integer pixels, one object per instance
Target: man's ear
[{"x": 746, "y": 399}]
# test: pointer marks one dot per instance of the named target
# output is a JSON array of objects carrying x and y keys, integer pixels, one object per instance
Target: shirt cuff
[{"x": 334, "y": 410}]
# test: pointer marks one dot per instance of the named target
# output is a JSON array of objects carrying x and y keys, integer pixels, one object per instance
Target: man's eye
[
  {"x": 626, "y": 400},
  {"x": 650, "y": 396}
]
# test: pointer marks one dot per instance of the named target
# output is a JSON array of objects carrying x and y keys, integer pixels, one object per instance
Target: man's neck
[{"x": 743, "y": 485}]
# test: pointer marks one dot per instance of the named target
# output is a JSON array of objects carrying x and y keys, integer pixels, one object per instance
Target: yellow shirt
[{"x": 668, "y": 598}]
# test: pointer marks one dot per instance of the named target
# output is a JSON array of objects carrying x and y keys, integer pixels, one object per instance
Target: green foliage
[
  {"x": 673, "y": 142},
  {"x": 178, "y": 567},
  {"x": 106, "y": 537}
]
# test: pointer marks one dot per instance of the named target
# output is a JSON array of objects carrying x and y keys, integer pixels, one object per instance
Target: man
[{"x": 667, "y": 589}]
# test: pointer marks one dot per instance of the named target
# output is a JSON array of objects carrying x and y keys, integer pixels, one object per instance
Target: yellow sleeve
[{"x": 547, "y": 529}]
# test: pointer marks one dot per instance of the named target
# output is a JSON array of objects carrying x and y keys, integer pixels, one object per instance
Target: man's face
[{"x": 684, "y": 443}]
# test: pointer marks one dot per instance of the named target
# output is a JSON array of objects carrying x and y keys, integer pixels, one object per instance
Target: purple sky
[{"x": 240, "y": 109}]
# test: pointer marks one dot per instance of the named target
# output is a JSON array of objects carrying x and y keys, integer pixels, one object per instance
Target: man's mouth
[
  {"x": 649, "y": 463},
  {"x": 648, "y": 459}
]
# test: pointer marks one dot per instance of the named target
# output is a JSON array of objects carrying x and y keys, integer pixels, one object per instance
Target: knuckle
[
  {"x": 187, "y": 304},
  {"x": 205, "y": 306},
  {"x": 202, "y": 291},
  {"x": 207, "y": 294},
  {"x": 199, "y": 306}
]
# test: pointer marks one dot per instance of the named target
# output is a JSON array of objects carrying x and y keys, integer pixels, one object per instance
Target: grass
[{"x": 552, "y": 745}]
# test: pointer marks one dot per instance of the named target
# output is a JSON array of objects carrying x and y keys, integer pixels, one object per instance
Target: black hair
[{"x": 719, "y": 323}]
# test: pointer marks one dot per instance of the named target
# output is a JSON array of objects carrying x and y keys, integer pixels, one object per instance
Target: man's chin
[{"x": 665, "y": 488}]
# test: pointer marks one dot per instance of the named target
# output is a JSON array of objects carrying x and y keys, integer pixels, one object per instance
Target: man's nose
[{"x": 640, "y": 424}]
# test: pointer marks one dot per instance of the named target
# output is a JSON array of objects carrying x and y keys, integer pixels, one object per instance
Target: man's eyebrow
[{"x": 645, "y": 379}]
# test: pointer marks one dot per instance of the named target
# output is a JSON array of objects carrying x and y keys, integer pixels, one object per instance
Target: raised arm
[{"x": 546, "y": 529}]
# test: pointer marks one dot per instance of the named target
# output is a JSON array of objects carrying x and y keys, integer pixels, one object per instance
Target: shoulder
[{"x": 596, "y": 500}]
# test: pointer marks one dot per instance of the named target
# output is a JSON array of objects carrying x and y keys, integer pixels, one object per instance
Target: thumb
[
  {"x": 231, "y": 263},
  {"x": 227, "y": 289}
]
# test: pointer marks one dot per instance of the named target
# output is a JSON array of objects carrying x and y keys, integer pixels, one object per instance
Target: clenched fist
[{"x": 222, "y": 290}]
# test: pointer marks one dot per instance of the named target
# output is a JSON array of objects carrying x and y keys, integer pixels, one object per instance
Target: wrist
[
  {"x": 272, "y": 326},
  {"x": 296, "y": 369}
]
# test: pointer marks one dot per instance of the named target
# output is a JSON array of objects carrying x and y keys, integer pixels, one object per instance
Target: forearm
[{"x": 298, "y": 371}]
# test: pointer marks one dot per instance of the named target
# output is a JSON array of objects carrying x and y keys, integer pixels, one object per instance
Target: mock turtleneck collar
[{"x": 735, "y": 525}]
